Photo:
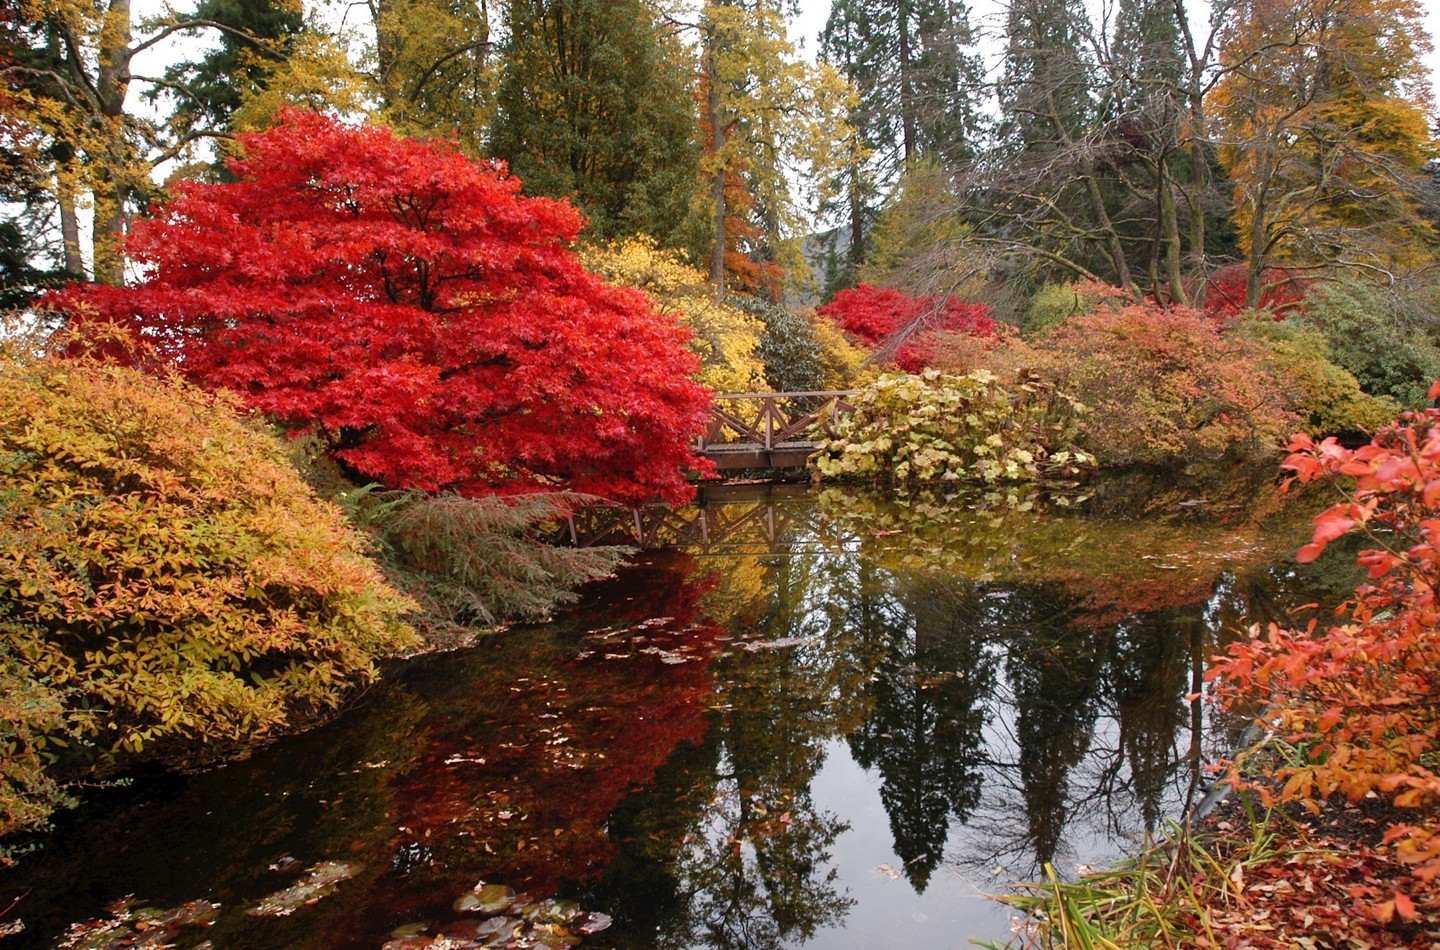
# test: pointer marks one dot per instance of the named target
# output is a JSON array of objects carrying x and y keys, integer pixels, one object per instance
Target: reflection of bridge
[
  {"x": 770, "y": 430},
  {"x": 724, "y": 520}
]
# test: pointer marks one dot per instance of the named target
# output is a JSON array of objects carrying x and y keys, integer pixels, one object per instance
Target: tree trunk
[
  {"x": 112, "y": 81},
  {"x": 907, "y": 83},
  {"x": 70, "y": 226},
  {"x": 716, "y": 120}
]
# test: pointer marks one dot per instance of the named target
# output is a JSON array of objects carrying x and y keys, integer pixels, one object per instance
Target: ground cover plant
[{"x": 939, "y": 427}]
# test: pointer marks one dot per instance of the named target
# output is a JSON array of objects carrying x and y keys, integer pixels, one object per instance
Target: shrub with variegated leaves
[{"x": 934, "y": 426}]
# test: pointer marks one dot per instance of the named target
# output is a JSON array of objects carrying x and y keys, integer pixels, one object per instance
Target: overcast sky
[{"x": 986, "y": 18}]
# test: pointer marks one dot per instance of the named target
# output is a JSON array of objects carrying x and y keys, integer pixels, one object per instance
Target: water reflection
[{"x": 700, "y": 748}]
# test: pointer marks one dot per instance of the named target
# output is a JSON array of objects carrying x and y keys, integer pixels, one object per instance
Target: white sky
[{"x": 985, "y": 16}]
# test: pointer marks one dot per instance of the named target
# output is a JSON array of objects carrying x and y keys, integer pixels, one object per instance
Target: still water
[{"x": 827, "y": 719}]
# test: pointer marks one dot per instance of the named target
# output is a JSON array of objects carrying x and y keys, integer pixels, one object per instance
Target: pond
[{"x": 826, "y": 718}]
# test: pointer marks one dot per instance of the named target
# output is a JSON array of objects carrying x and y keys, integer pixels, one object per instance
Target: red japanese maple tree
[
  {"x": 415, "y": 310},
  {"x": 880, "y": 316}
]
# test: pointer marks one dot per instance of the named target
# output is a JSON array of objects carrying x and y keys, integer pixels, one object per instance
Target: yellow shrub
[
  {"x": 163, "y": 567},
  {"x": 843, "y": 364},
  {"x": 725, "y": 337}
]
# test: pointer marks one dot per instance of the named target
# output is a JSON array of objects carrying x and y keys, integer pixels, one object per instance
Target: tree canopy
[{"x": 413, "y": 309}]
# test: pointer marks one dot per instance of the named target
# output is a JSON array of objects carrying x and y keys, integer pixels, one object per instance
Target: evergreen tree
[
  {"x": 594, "y": 104},
  {"x": 917, "y": 96},
  {"x": 1046, "y": 96},
  {"x": 209, "y": 90}
]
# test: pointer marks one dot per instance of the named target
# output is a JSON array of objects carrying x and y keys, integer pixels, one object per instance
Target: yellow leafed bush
[
  {"x": 164, "y": 568},
  {"x": 726, "y": 338}
]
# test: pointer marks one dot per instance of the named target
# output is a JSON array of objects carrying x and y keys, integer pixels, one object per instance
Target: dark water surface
[{"x": 830, "y": 719}]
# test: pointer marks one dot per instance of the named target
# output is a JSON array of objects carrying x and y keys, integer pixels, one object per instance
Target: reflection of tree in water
[
  {"x": 1054, "y": 675},
  {"x": 1036, "y": 713},
  {"x": 926, "y": 732},
  {"x": 733, "y": 850},
  {"x": 1152, "y": 670}
]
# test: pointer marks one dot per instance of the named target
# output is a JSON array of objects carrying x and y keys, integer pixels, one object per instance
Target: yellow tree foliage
[
  {"x": 163, "y": 567},
  {"x": 316, "y": 75},
  {"x": 766, "y": 112},
  {"x": 843, "y": 365},
  {"x": 725, "y": 337},
  {"x": 1323, "y": 113}
]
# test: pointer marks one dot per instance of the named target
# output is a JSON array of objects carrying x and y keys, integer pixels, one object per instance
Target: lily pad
[
  {"x": 486, "y": 899},
  {"x": 593, "y": 923},
  {"x": 556, "y": 911},
  {"x": 410, "y": 930}
]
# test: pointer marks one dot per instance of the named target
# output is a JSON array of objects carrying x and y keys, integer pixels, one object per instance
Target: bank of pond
[{"x": 845, "y": 720}]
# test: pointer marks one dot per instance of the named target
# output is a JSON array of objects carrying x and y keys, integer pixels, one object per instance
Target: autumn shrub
[
  {"x": 843, "y": 365},
  {"x": 937, "y": 427},
  {"x": 1281, "y": 291},
  {"x": 36, "y": 724},
  {"x": 1327, "y": 398},
  {"x": 416, "y": 312},
  {"x": 1166, "y": 384},
  {"x": 899, "y": 324},
  {"x": 724, "y": 335},
  {"x": 1361, "y": 697},
  {"x": 1391, "y": 353},
  {"x": 164, "y": 569}
]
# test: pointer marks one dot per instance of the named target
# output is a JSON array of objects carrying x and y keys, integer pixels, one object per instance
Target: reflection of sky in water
[
  {"x": 952, "y": 910},
  {"x": 851, "y": 723}
]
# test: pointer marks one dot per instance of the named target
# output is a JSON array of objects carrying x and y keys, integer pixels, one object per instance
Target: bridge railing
[{"x": 768, "y": 420}]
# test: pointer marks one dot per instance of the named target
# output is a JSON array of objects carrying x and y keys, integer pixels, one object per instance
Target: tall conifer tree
[
  {"x": 595, "y": 104},
  {"x": 918, "y": 91}
]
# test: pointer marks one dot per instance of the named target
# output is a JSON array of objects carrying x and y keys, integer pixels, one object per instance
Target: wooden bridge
[{"x": 770, "y": 430}]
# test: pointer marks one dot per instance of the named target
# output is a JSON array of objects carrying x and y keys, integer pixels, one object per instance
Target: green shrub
[
  {"x": 1327, "y": 398},
  {"x": 794, "y": 361},
  {"x": 934, "y": 426},
  {"x": 1052, "y": 305},
  {"x": 1390, "y": 352},
  {"x": 163, "y": 567},
  {"x": 471, "y": 561}
]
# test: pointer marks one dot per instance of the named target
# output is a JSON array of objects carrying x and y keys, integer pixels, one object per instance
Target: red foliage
[
  {"x": 876, "y": 315},
  {"x": 1361, "y": 697},
  {"x": 414, "y": 309},
  {"x": 1225, "y": 291}
]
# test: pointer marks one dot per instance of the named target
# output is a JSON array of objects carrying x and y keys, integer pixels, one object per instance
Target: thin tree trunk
[
  {"x": 907, "y": 83},
  {"x": 70, "y": 226},
  {"x": 112, "y": 81},
  {"x": 717, "y": 144}
]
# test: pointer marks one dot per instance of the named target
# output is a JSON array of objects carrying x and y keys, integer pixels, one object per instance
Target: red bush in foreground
[
  {"x": 1360, "y": 698},
  {"x": 411, "y": 307},
  {"x": 875, "y": 315}
]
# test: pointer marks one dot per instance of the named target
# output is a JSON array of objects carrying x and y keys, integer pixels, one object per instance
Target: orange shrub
[{"x": 164, "y": 567}]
